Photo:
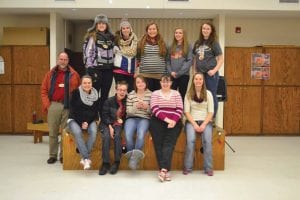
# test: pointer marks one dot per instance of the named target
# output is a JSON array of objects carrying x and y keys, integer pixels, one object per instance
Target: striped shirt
[
  {"x": 151, "y": 61},
  {"x": 132, "y": 100},
  {"x": 170, "y": 107}
]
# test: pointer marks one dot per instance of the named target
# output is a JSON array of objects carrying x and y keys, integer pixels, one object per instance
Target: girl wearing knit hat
[
  {"x": 125, "y": 54},
  {"x": 98, "y": 56}
]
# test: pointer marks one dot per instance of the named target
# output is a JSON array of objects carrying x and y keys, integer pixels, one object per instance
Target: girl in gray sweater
[{"x": 179, "y": 61}]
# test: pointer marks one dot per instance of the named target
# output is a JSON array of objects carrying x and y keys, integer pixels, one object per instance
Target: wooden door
[
  {"x": 281, "y": 110},
  {"x": 5, "y": 52},
  {"x": 285, "y": 63},
  {"x": 238, "y": 65},
  {"x": 6, "y": 91},
  {"x": 30, "y": 64},
  {"x": 5, "y": 108},
  {"x": 26, "y": 100},
  {"x": 242, "y": 111}
]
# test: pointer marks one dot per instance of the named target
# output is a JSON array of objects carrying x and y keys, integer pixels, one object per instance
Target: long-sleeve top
[
  {"x": 99, "y": 53},
  {"x": 170, "y": 107},
  {"x": 199, "y": 111},
  {"x": 81, "y": 112},
  {"x": 48, "y": 86},
  {"x": 177, "y": 62},
  {"x": 151, "y": 61},
  {"x": 109, "y": 112},
  {"x": 132, "y": 100}
]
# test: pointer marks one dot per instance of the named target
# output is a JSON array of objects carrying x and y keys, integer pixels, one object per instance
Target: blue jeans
[
  {"x": 106, "y": 143},
  {"x": 212, "y": 86},
  {"x": 138, "y": 125},
  {"x": 84, "y": 148},
  {"x": 190, "y": 147}
]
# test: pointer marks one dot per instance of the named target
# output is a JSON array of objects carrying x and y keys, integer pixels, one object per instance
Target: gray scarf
[{"x": 88, "y": 99}]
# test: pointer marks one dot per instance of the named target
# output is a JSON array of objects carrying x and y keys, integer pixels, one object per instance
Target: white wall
[
  {"x": 57, "y": 37},
  {"x": 262, "y": 31},
  {"x": 192, "y": 4},
  {"x": 22, "y": 21}
]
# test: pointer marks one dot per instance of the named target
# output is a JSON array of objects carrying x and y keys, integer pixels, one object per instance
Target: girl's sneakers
[
  {"x": 186, "y": 171},
  {"x": 164, "y": 175},
  {"x": 86, "y": 163}
]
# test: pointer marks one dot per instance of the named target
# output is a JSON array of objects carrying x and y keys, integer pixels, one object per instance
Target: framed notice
[{"x": 260, "y": 66}]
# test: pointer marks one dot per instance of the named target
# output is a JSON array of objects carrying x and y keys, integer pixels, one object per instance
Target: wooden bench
[
  {"x": 38, "y": 130},
  {"x": 71, "y": 158}
]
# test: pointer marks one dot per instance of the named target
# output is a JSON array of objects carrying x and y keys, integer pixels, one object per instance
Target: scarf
[
  {"x": 67, "y": 77},
  {"x": 128, "y": 47},
  {"x": 151, "y": 41},
  {"x": 88, "y": 99},
  {"x": 107, "y": 38}
]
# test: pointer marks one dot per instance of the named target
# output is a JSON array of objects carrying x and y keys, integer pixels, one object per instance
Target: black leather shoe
[
  {"x": 114, "y": 168},
  {"x": 61, "y": 160},
  {"x": 51, "y": 160},
  {"x": 103, "y": 170}
]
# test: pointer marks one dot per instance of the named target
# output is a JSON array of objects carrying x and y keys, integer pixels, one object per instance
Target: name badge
[{"x": 61, "y": 85}]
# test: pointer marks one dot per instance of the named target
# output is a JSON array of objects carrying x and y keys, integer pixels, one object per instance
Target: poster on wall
[
  {"x": 260, "y": 66},
  {"x": 1, "y": 65}
]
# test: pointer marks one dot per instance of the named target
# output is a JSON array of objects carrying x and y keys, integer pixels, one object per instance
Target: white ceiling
[{"x": 90, "y": 13}]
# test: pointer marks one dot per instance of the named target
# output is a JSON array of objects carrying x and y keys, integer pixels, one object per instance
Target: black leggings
[
  {"x": 102, "y": 80},
  {"x": 164, "y": 140}
]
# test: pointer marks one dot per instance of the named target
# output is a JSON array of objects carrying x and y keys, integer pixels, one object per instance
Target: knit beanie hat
[
  {"x": 98, "y": 19},
  {"x": 125, "y": 22}
]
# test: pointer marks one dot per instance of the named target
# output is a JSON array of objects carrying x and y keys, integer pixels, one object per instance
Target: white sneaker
[
  {"x": 82, "y": 162},
  {"x": 87, "y": 164}
]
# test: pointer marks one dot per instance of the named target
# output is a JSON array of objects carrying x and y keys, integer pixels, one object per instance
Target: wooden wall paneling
[
  {"x": 30, "y": 64},
  {"x": 251, "y": 120},
  {"x": 290, "y": 100},
  {"x": 5, "y": 52},
  {"x": 272, "y": 110},
  {"x": 243, "y": 110},
  {"x": 283, "y": 114},
  {"x": 238, "y": 65},
  {"x": 285, "y": 64},
  {"x": 233, "y": 110},
  {"x": 5, "y": 107},
  {"x": 233, "y": 66},
  {"x": 26, "y": 100}
]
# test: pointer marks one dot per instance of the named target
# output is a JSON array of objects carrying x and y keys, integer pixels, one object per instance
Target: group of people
[{"x": 151, "y": 94}]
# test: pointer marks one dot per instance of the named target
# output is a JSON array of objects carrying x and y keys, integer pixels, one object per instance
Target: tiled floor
[{"x": 262, "y": 168}]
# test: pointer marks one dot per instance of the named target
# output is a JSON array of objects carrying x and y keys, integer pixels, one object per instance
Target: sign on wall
[{"x": 260, "y": 66}]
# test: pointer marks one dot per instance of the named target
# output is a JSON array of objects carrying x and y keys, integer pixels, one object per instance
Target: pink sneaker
[
  {"x": 161, "y": 175},
  {"x": 209, "y": 173},
  {"x": 168, "y": 176},
  {"x": 186, "y": 171}
]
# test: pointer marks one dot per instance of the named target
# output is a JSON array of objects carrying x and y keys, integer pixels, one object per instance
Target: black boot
[
  {"x": 115, "y": 167},
  {"x": 104, "y": 168}
]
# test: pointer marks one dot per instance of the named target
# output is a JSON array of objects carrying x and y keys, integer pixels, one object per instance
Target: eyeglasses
[{"x": 122, "y": 90}]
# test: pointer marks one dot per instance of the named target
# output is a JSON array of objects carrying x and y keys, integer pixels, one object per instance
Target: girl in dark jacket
[
  {"x": 83, "y": 115},
  {"x": 113, "y": 116}
]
